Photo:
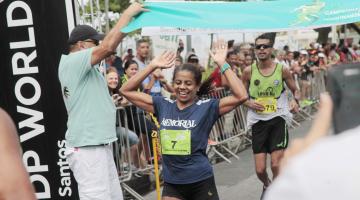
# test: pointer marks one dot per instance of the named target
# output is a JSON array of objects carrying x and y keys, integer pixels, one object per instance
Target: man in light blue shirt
[{"x": 91, "y": 112}]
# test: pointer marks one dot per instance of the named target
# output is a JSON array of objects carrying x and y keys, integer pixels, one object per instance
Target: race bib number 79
[
  {"x": 269, "y": 103},
  {"x": 175, "y": 142}
]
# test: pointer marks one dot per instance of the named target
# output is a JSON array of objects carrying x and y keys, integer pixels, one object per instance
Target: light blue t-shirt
[
  {"x": 156, "y": 88},
  {"x": 199, "y": 119},
  {"x": 91, "y": 112}
]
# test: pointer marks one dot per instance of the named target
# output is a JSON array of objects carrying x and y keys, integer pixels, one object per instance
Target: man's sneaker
[
  {"x": 138, "y": 174},
  {"x": 127, "y": 167}
]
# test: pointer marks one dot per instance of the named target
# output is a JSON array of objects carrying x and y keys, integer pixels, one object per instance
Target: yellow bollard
[{"x": 156, "y": 164}]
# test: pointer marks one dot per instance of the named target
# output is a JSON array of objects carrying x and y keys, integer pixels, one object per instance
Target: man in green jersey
[{"x": 268, "y": 107}]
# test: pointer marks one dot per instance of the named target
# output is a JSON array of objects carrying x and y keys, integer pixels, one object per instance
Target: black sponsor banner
[{"x": 33, "y": 36}]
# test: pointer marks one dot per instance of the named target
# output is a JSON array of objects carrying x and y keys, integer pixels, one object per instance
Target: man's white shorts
[{"x": 95, "y": 172}]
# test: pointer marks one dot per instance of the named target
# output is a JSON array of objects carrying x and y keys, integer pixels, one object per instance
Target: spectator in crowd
[
  {"x": 180, "y": 48},
  {"x": 246, "y": 49},
  {"x": 217, "y": 80},
  {"x": 15, "y": 181},
  {"x": 323, "y": 63},
  {"x": 231, "y": 45},
  {"x": 313, "y": 60},
  {"x": 311, "y": 45},
  {"x": 112, "y": 78},
  {"x": 129, "y": 56},
  {"x": 114, "y": 61},
  {"x": 241, "y": 61},
  {"x": 295, "y": 67},
  {"x": 194, "y": 59},
  {"x": 156, "y": 81},
  {"x": 249, "y": 60},
  {"x": 130, "y": 68},
  {"x": 142, "y": 53},
  {"x": 281, "y": 58},
  {"x": 91, "y": 112},
  {"x": 333, "y": 56},
  {"x": 286, "y": 48},
  {"x": 305, "y": 75},
  {"x": 356, "y": 52},
  {"x": 178, "y": 61},
  {"x": 144, "y": 127},
  {"x": 289, "y": 58},
  {"x": 345, "y": 55},
  {"x": 326, "y": 49},
  {"x": 137, "y": 121},
  {"x": 232, "y": 59}
]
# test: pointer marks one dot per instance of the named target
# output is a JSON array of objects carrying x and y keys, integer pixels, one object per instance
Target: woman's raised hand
[
  {"x": 164, "y": 61},
  {"x": 219, "y": 51}
]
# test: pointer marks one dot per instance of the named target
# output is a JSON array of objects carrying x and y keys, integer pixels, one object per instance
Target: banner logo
[{"x": 308, "y": 13}]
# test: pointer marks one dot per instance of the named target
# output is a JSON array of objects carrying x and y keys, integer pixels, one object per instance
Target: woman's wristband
[{"x": 224, "y": 67}]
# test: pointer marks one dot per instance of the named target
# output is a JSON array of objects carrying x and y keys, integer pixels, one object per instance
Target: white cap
[
  {"x": 321, "y": 55},
  {"x": 317, "y": 45},
  {"x": 304, "y": 52}
]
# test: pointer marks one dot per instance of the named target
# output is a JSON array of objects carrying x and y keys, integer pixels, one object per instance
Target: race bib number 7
[
  {"x": 175, "y": 142},
  {"x": 269, "y": 103}
]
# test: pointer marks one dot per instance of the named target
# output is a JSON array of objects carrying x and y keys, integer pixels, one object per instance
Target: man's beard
[{"x": 264, "y": 59}]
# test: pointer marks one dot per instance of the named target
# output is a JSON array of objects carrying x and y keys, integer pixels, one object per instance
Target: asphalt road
[{"x": 238, "y": 180}]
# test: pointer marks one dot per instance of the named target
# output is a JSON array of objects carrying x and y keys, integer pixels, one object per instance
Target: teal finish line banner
[{"x": 257, "y": 16}]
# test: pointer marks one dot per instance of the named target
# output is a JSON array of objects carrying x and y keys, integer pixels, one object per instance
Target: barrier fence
[{"x": 229, "y": 135}]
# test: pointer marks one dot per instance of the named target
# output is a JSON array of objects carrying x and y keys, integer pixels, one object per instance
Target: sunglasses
[
  {"x": 193, "y": 61},
  {"x": 264, "y": 46},
  {"x": 92, "y": 41}
]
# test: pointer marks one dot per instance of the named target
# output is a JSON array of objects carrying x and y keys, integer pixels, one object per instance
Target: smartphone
[{"x": 343, "y": 83}]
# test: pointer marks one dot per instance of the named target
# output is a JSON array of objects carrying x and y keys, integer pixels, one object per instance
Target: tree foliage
[
  {"x": 114, "y": 5},
  {"x": 118, "y": 5}
]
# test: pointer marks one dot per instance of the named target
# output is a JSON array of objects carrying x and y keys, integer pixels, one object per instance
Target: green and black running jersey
[{"x": 266, "y": 86}]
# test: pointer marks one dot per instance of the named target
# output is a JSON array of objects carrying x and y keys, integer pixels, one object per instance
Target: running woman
[{"x": 186, "y": 123}]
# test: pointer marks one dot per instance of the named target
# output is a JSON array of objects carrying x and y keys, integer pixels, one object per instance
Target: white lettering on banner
[
  {"x": 65, "y": 189},
  {"x": 25, "y": 44},
  {"x": 19, "y": 22},
  {"x": 169, "y": 38},
  {"x": 31, "y": 158},
  {"x": 30, "y": 123},
  {"x": 41, "y": 195},
  {"x": 179, "y": 123},
  {"x": 26, "y": 59},
  {"x": 36, "y": 160},
  {"x": 36, "y": 86},
  {"x": 37, "y": 167}
]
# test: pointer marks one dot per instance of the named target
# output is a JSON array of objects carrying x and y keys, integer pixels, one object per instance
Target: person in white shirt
[{"x": 319, "y": 167}]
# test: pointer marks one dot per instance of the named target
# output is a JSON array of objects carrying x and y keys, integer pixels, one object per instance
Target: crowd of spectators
[{"x": 306, "y": 65}]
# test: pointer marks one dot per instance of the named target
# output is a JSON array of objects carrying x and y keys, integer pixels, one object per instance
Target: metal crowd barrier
[
  {"x": 133, "y": 160},
  {"x": 229, "y": 133},
  {"x": 309, "y": 106}
]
